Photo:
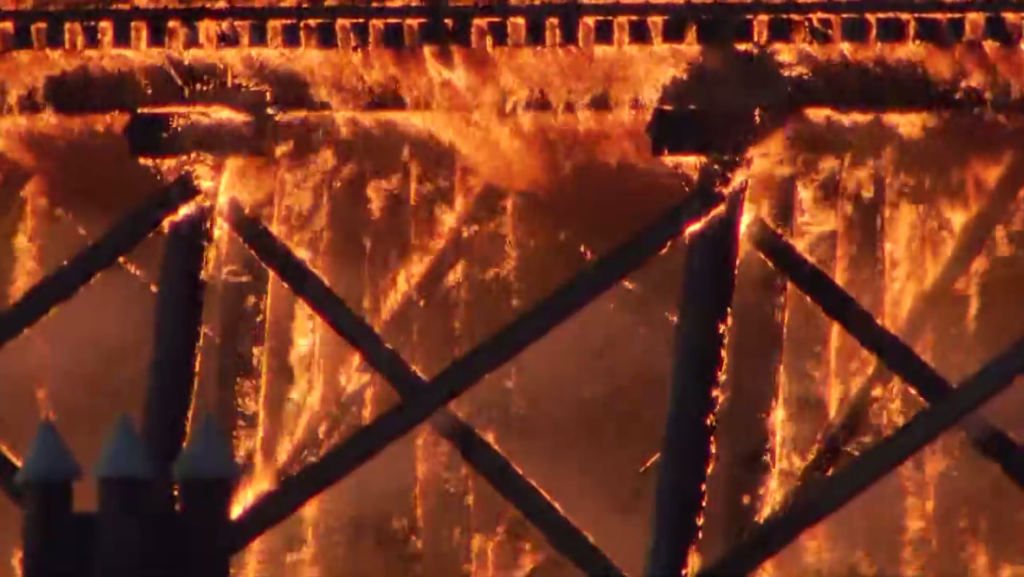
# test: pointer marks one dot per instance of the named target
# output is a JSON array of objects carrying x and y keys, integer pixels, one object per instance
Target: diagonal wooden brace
[
  {"x": 125, "y": 235},
  {"x": 462, "y": 374},
  {"x": 897, "y": 356},
  {"x": 830, "y": 494}
]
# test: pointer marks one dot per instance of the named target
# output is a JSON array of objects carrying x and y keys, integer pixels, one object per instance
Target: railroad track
[{"x": 941, "y": 24}]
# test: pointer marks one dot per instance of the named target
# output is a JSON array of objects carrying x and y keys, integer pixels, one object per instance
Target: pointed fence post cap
[
  {"x": 49, "y": 460},
  {"x": 124, "y": 454},
  {"x": 207, "y": 456}
]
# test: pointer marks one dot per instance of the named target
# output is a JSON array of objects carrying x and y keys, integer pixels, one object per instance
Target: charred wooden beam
[
  {"x": 179, "y": 315},
  {"x": 969, "y": 244},
  {"x": 458, "y": 377},
  {"x": 241, "y": 296},
  {"x": 897, "y": 356},
  {"x": 8, "y": 470},
  {"x": 708, "y": 279},
  {"x": 64, "y": 282},
  {"x": 828, "y": 495},
  {"x": 165, "y": 135},
  {"x": 742, "y": 441}
]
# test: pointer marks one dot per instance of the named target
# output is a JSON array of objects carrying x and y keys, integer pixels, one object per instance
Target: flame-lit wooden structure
[{"x": 709, "y": 279}]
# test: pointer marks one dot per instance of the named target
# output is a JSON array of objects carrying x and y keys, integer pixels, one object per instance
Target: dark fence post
[
  {"x": 124, "y": 522},
  {"x": 206, "y": 473},
  {"x": 708, "y": 280},
  {"x": 46, "y": 480}
]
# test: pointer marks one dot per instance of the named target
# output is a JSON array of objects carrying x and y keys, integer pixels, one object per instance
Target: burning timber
[{"x": 413, "y": 178}]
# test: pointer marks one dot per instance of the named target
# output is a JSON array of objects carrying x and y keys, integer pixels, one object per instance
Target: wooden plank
[
  {"x": 830, "y": 494},
  {"x": 454, "y": 380},
  {"x": 709, "y": 276}
]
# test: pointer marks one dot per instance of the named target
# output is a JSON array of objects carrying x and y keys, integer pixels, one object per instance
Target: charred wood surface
[
  {"x": 860, "y": 270},
  {"x": 240, "y": 302},
  {"x": 828, "y": 495},
  {"x": 709, "y": 276},
  {"x": 755, "y": 342},
  {"x": 458, "y": 377}
]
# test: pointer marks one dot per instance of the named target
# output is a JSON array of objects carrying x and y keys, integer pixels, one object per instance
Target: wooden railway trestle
[{"x": 712, "y": 249}]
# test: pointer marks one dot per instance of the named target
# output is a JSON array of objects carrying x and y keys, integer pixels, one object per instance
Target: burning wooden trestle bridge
[{"x": 189, "y": 532}]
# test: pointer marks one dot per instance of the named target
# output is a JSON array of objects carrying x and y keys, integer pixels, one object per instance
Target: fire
[{"x": 529, "y": 122}]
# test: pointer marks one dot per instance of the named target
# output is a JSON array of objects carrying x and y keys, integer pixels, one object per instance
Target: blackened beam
[
  {"x": 179, "y": 317},
  {"x": 463, "y": 373},
  {"x": 441, "y": 265},
  {"x": 8, "y": 469},
  {"x": 897, "y": 356},
  {"x": 831, "y": 493},
  {"x": 969, "y": 244},
  {"x": 125, "y": 235},
  {"x": 709, "y": 277}
]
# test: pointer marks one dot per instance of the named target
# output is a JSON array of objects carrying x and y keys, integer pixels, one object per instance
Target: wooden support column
[
  {"x": 48, "y": 537},
  {"x": 708, "y": 280},
  {"x": 175, "y": 344},
  {"x": 241, "y": 297},
  {"x": 345, "y": 268},
  {"x": 442, "y": 488},
  {"x": 806, "y": 359},
  {"x": 860, "y": 270},
  {"x": 742, "y": 440}
]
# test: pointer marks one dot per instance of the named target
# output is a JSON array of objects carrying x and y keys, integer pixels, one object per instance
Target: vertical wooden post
[
  {"x": 178, "y": 325},
  {"x": 124, "y": 522},
  {"x": 708, "y": 280},
  {"x": 206, "y": 473},
  {"x": 46, "y": 480},
  {"x": 755, "y": 339}
]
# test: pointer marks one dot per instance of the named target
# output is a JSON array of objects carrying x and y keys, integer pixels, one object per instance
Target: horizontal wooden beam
[
  {"x": 832, "y": 493},
  {"x": 469, "y": 369}
]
